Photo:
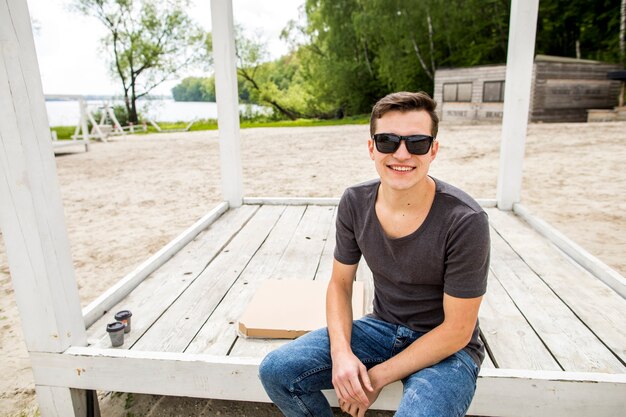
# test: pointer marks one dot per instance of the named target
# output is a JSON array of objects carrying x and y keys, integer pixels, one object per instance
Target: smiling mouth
[{"x": 400, "y": 168}]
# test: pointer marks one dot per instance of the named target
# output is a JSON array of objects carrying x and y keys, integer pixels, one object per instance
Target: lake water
[{"x": 67, "y": 113}]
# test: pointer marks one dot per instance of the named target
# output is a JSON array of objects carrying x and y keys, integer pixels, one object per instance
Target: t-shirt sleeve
[
  {"x": 467, "y": 257},
  {"x": 347, "y": 250}
]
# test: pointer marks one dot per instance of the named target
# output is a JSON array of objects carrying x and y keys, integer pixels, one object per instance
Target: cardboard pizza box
[{"x": 286, "y": 309}]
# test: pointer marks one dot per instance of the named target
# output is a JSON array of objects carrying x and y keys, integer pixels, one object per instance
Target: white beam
[
  {"x": 224, "y": 59},
  {"x": 519, "y": 69},
  {"x": 292, "y": 201},
  {"x": 61, "y": 401},
  {"x": 500, "y": 392},
  {"x": 31, "y": 212}
]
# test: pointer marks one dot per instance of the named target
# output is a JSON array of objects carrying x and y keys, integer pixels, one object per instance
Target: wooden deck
[{"x": 543, "y": 318}]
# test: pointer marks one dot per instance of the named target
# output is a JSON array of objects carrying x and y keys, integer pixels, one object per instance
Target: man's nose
[{"x": 402, "y": 152}]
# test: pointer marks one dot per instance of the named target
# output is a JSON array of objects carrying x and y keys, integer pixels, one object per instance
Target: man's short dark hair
[{"x": 404, "y": 101}]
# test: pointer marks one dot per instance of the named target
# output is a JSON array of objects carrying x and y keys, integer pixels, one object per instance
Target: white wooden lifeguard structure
[{"x": 553, "y": 318}]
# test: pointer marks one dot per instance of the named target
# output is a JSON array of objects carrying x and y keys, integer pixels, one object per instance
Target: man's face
[{"x": 402, "y": 170}]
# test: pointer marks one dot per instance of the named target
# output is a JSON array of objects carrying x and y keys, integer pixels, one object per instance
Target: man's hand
[
  {"x": 350, "y": 379},
  {"x": 358, "y": 409}
]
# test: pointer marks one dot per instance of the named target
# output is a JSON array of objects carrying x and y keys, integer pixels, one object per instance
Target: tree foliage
[
  {"x": 195, "y": 89},
  {"x": 203, "y": 89},
  {"x": 148, "y": 42},
  {"x": 358, "y": 50},
  {"x": 346, "y": 54},
  {"x": 593, "y": 25}
]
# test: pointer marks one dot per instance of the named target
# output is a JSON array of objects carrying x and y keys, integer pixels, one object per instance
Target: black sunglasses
[{"x": 415, "y": 144}]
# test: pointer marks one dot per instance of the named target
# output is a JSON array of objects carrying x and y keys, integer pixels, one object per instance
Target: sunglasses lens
[
  {"x": 415, "y": 144},
  {"x": 386, "y": 143},
  {"x": 418, "y": 145}
]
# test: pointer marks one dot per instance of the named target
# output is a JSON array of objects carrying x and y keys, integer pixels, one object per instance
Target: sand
[{"x": 127, "y": 198}]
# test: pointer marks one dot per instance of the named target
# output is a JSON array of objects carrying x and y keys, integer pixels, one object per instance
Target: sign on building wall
[{"x": 573, "y": 94}]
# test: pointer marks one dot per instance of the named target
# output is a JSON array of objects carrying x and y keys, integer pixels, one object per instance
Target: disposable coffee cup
[
  {"x": 116, "y": 333},
  {"x": 124, "y": 317}
]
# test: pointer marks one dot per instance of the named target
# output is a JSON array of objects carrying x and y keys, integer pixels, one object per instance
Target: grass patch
[
  {"x": 352, "y": 120},
  {"x": 66, "y": 132}
]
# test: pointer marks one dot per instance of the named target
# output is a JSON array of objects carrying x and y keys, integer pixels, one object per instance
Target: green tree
[
  {"x": 336, "y": 60},
  {"x": 588, "y": 29},
  {"x": 355, "y": 51},
  {"x": 267, "y": 83},
  {"x": 195, "y": 89},
  {"x": 148, "y": 42},
  {"x": 260, "y": 77}
]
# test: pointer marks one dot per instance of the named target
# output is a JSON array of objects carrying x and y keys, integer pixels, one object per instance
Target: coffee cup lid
[
  {"x": 124, "y": 314},
  {"x": 115, "y": 327}
]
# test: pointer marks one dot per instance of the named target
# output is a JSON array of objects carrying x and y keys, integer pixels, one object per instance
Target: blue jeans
[{"x": 295, "y": 374}]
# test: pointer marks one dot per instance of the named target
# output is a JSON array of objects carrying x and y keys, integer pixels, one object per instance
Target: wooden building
[{"x": 563, "y": 89}]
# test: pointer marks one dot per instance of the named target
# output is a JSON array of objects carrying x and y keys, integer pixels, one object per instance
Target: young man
[{"x": 427, "y": 244}]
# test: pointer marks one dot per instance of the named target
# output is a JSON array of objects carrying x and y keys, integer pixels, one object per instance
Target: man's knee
[{"x": 272, "y": 369}]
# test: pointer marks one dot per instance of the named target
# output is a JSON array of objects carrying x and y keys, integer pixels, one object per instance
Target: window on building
[
  {"x": 457, "y": 92},
  {"x": 493, "y": 92}
]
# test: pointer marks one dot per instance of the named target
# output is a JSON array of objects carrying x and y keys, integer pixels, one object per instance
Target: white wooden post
[
  {"x": 227, "y": 100},
  {"x": 95, "y": 127},
  {"x": 519, "y": 69},
  {"x": 83, "y": 119},
  {"x": 31, "y": 214}
]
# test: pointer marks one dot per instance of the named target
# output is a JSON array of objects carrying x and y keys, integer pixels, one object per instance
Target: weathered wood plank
[
  {"x": 299, "y": 261},
  {"x": 293, "y": 201},
  {"x": 513, "y": 342},
  {"x": 570, "y": 341},
  {"x": 162, "y": 287},
  {"x": 325, "y": 267},
  {"x": 219, "y": 332},
  {"x": 499, "y": 392},
  {"x": 364, "y": 275},
  {"x": 178, "y": 325},
  {"x": 598, "y": 306},
  {"x": 302, "y": 257}
]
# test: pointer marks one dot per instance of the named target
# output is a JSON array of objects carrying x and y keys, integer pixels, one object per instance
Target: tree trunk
[
  {"x": 419, "y": 57},
  {"x": 127, "y": 102},
  {"x": 432, "y": 46},
  {"x": 622, "y": 33},
  {"x": 289, "y": 113},
  {"x": 132, "y": 114},
  {"x": 367, "y": 59}
]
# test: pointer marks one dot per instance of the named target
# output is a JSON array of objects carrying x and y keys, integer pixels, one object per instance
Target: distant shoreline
[{"x": 100, "y": 97}]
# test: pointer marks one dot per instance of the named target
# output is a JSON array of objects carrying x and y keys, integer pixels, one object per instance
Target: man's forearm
[
  {"x": 339, "y": 317},
  {"x": 426, "y": 351}
]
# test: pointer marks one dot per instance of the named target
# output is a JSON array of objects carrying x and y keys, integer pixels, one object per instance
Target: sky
[{"x": 68, "y": 44}]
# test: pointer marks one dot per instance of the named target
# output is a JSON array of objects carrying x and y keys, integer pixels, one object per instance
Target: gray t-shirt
[{"x": 448, "y": 253}]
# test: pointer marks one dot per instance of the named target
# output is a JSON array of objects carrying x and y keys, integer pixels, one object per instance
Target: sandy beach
[{"x": 126, "y": 199}]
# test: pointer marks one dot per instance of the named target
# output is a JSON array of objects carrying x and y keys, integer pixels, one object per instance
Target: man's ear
[
  {"x": 370, "y": 148},
  {"x": 434, "y": 149}
]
